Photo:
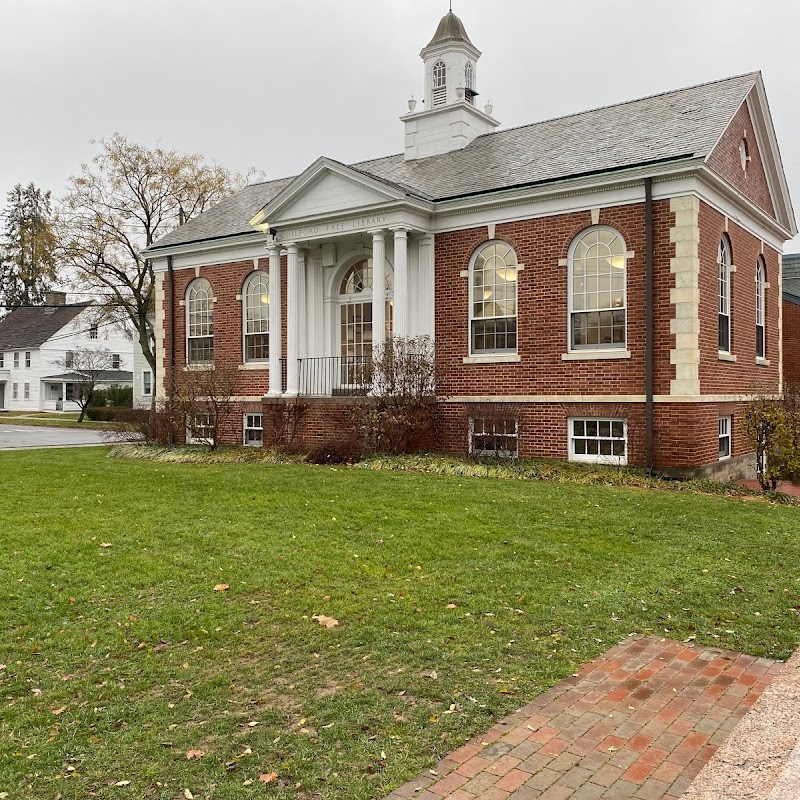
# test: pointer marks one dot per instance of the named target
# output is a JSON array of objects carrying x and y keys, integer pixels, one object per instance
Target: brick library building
[{"x": 602, "y": 287}]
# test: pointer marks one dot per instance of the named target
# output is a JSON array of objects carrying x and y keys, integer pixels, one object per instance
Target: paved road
[{"x": 13, "y": 437}]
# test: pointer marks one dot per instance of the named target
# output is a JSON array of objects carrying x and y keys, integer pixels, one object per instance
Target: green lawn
[{"x": 119, "y": 660}]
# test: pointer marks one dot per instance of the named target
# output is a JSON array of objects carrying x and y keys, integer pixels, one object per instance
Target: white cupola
[{"x": 450, "y": 119}]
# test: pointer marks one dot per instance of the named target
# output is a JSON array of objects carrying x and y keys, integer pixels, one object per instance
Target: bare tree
[
  {"x": 86, "y": 366},
  {"x": 205, "y": 398},
  {"x": 121, "y": 203}
]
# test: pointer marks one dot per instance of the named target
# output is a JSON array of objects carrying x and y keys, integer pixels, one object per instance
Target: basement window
[
  {"x": 253, "y": 430},
  {"x": 725, "y": 437},
  {"x": 494, "y": 436},
  {"x": 598, "y": 441}
]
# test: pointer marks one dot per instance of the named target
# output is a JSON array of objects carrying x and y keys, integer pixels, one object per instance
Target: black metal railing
[{"x": 335, "y": 375}]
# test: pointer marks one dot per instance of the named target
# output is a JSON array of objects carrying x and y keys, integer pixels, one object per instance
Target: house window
[
  {"x": 256, "y": 317},
  {"x": 199, "y": 322},
  {"x": 724, "y": 272},
  {"x": 253, "y": 430},
  {"x": 69, "y": 359},
  {"x": 28, "y": 360},
  {"x": 761, "y": 305},
  {"x": 493, "y": 299},
  {"x": 724, "y": 437},
  {"x": 115, "y": 361},
  {"x": 201, "y": 429},
  {"x": 439, "y": 84},
  {"x": 147, "y": 382},
  {"x": 26, "y": 391},
  {"x": 15, "y": 391},
  {"x": 2, "y": 360},
  {"x": 597, "y": 277},
  {"x": 601, "y": 441},
  {"x": 93, "y": 332},
  {"x": 69, "y": 394},
  {"x": 16, "y": 360},
  {"x": 494, "y": 436}
]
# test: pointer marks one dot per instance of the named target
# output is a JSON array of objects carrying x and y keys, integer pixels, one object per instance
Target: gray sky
[{"x": 274, "y": 85}]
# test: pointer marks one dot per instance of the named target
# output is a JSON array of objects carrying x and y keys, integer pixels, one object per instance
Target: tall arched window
[
  {"x": 724, "y": 281},
  {"x": 597, "y": 285},
  {"x": 256, "y": 317},
  {"x": 439, "y": 83},
  {"x": 199, "y": 322},
  {"x": 493, "y": 299},
  {"x": 469, "y": 76},
  {"x": 355, "y": 309},
  {"x": 761, "y": 306}
]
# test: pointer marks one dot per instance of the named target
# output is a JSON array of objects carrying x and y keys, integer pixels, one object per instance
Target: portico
[{"x": 356, "y": 273}]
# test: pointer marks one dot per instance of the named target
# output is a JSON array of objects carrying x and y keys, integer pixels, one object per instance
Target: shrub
[
  {"x": 116, "y": 396},
  {"x": 116, "y": 414},
  {"x": 335, "y": 451}
]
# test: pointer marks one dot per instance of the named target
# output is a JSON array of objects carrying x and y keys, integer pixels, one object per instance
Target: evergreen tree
[{"x": 27, "y": 252}]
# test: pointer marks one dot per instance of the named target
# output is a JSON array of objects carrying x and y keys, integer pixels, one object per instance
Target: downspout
[
  {"x": 649, "y": 324},
  {"x": 171, "y": 278}
]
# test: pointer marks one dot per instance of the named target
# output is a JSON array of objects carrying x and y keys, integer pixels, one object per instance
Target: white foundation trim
[
  {"x": 595, "y": 355},
  {"x": 603, "y": 398},
  {"x": 493, "y": 358}
]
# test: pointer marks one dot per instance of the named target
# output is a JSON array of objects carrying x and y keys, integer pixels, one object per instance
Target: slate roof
[
  {"x": 29, "y": 327},
  {"x": 791, "y": 276},
  {"x": 681, "y": 124}
]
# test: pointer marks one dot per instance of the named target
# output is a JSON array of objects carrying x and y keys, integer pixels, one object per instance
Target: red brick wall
[
  {"x": 791, "y": 343},
  {"x": 744, "y": 376},
  {"x": 542, "y": 322},
  {"x": 726, "y": 161}
]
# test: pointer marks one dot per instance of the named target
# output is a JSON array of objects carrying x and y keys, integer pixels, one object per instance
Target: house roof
[
  {"x": 31, "y": 326},
  {"x": 791, "y": 277},
  {"x": 104, "y": 376},
  {"x": 682, "y": 124}
]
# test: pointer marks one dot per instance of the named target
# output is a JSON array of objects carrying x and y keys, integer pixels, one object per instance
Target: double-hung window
[
  {"x": 16, "y": 360},
  {"x": 26, "y": 391},
  {"x": 494, "y": 436},
  {"x": 256, "y": 317},
  {"x": 147, "y": 383},
  {"x": 761, "y": 304},
  {"x": 724, "y": 437},
  {"x": 253, "y": 430},
  {"x": 597, "y": 284},
  {"x": 199, "y": 323},
  {"x": 601, "y": 441},
  {"x": 28, "y": 359},
  {"x": 493, "y": 299},
  {"x": 724, "y": 292}
]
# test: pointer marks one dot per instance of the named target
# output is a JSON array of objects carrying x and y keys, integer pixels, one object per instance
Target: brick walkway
[{"x": 639, "y": 722}]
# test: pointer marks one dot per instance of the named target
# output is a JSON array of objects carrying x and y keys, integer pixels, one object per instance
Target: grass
[
  {"x": 45, "y": 420},
  {"x": 120, "y": 660}
]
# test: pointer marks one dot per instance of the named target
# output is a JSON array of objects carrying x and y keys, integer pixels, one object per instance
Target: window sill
[
  {"x": 255, "y": 365},
  {"x": 494, "y": 358},
  {"x": 726, "y": 357},
  {"x": 762, "y": 362},
  {"x": 198, "y": 367},
  {"x": 595, "y": 355}
]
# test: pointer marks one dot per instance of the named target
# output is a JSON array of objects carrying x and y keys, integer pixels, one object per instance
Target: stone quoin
[{"x": 529, "y": 255}]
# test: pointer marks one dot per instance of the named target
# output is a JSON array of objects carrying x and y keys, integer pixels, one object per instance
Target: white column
[
  {"x": 275, "y": 333},
  {"x": 427, "y": 288},
  {"x": 292, "y": 320},
  {"x": 378, "y": 288},
  {"x": 401, "y": 315}
]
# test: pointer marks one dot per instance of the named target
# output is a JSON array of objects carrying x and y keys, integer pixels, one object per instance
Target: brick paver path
[{"x": 639, "y": 722}]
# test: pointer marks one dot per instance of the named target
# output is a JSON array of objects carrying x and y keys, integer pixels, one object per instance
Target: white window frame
[
  {"x": 726, "y": 433},
  {"x": 2, "y": 360},
  {"x": 116, "y": 361},
  {"x": 16, "y": 360},
  {"x": 27, "y": 359},
  {"x": 254, "y": 278},
  {"x": 26, "y": 391},
  {"x": 248, "y": 427},
  {"x": 597, "y": 458},
  {"x": 469, "y": 76},
  {"x": 147, "y": 383},
  {"x": 572, "y": 311},
  {"x": 191, "y": 438},
  {"x": 493, "y": 422},
  {"x": 724, "y": 262},
  {"x": 761, "y": 309},
  {"x": 516, "y": 267},
  {"x": 15, "y": 391},
  {"x": 192, "y": 290},
  {"x": 93, "y": 331},
  {"x": 439, "y": 84}
]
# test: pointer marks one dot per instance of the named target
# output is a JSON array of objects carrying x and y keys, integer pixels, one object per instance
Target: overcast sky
[{"x": 273, "y": 85}]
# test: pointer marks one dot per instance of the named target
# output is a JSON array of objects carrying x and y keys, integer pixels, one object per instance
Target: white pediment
[{"x": 326, "y": 188}]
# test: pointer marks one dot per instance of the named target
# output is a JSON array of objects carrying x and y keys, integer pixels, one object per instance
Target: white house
[{"x": 35, "y": 343}]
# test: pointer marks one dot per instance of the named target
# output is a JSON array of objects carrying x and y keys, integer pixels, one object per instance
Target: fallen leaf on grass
[
  {"x": 57, "y": 712},
  {"x": 106, "y": 544},
  {"x": 192, "y": 755},
  {"x": 268, "y": 777},
  {"x": 433, "y": 674},
  {"x": 326, "y": 622},
  {"x": 122, "y": 783},
  {"x": 451, "y": 605},
  {"x": 188, "y": 795},
  {"x": 221, "y": 587}
]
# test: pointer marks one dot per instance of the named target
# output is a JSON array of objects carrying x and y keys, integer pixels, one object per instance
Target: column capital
[
  {"x": 400, "y": 230},
  {"x": 291, "y": 247},
  {"x": 377, "y": 233},
  {"x": 273, "y": 248}
]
